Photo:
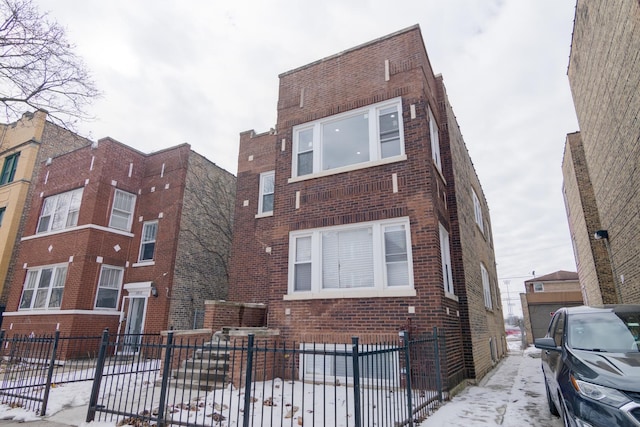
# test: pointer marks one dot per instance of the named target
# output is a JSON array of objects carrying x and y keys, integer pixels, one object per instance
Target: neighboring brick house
[
  {"x": 361, "y": 214},
  {"x": 604, "y": 76},
  {"x": 119, "y": 239},
  {"x": 543, "y": 296},
  {"x": 24, "y": 144}
]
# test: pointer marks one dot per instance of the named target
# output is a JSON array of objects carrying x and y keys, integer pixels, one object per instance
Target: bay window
[
  {"x": 60, "y": 211},
  {"x": 43, "y": 288},
  {"x": 352, "y": 258},
  {"x": 122, "y": 210},
  {"x": 109, "y": 286},
  {"x": 349, "y": 139}
]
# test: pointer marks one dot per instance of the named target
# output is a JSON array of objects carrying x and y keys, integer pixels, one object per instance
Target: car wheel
[{"x": 552, "y": 406}]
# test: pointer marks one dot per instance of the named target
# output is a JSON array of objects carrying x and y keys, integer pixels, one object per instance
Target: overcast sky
[{"x": 202, "y": 71}]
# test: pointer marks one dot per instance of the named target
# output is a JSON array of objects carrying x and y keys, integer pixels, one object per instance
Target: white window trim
[
  {"x": 477, "y": 210},
  {"x": 119, "y": 288},
  {"x": 261, "y": 194},
  {"x": 66, "y": 213},
  {"x": 486, "y": 287},
  {"x": 434, "y": 135},
  {"x": 380, "y": 288},
  {"x": 142, "y": 243},
  {"x": 39, "y": 269},
  {"x": 445, "y": 255},
  {"x": 133, "y": 208},
  {"x": 374, "y": 141},
  {"x": 541, "y": 287}
]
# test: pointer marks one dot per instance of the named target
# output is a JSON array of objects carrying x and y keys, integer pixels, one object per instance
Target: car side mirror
[{"x": 546, "y": 343}]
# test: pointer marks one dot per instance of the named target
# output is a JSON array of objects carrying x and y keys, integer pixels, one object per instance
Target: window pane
[
  {"x": 389, "y": 132},
  {"x": 267, "y": 203},
  {"x": 119, "y": 220},
  {"x": 347, "y": 259},
  {"x": 305, "y": 152},
  {"x": 148, "y": 250},
  {"x": 305, "y": 163},
  {"x": 302, "y": 268},
  {"x": 302, "y": 279},
  {"x": 396, "y": 256},
  {"x": 25, "y": 302},
  {"x": 303, "y": 249},
  {"x": 56, "y": 298},
  {"x": 107, "y": 298},
  {"x": 345, "y": 142},
  {"x": 60, "y": 214},
  {"x": 149, "y": 231}
]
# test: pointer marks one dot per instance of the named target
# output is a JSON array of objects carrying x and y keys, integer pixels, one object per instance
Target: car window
[
  {"x": 559, "y": 329},
  {"x": 604, "y": 332}
]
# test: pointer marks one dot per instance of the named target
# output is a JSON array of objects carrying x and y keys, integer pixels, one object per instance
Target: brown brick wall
[
  {"x": 604, "y": 75},
  {"x": 353, "y": 79},
  {"x": 54, "y": 142},
  {"x": 158, "y": 181}
]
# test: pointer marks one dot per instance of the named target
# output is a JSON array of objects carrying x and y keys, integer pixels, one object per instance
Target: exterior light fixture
[
  {"x": 601, "y": 234},
  {"x": 154, "y": 290}
]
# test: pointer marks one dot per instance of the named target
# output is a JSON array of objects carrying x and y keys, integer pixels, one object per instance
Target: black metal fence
[
  {"x": 246, "y": 381},
  {"x": 30, "y": 365}
]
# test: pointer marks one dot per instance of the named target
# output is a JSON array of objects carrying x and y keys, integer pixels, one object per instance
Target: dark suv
[{"x": 591, "y": 365}]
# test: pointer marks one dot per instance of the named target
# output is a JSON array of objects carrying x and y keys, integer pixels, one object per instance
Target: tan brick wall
[{"x": 604, "y": 74}]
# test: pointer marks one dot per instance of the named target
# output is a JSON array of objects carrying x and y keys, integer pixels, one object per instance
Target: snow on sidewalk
[{"x": 511, "y": 395}]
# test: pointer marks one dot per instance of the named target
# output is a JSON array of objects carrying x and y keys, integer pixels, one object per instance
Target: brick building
[
  {"x": 121, "y": 239},
  {"x": 361, "y": 212},
  {"x": 600, "y": 168},
  {"x": 24, "y": 144},
  {"x": 543, "y": 296}
]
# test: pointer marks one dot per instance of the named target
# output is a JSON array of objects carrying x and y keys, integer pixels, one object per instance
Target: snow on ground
[{"x": 512, "y": 395}]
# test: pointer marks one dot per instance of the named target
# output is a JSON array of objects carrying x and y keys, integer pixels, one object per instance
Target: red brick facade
[
  {"x": 159, "y": 183},
  {"x": 409, "y": 186}
]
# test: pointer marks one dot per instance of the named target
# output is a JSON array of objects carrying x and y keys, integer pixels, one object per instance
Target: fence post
[
  {"x": 407, "y": 367},
  {"x": 247, "y": 384},
  {"x": 52, "y": 361},
  {"x": 166, "y": 373},
  {"x": 436, "y": 353},
  {"x": 357, "y": 405},
  {"x": 95, "y": 389}
]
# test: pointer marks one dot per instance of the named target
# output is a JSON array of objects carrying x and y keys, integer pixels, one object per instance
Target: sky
[{"x": 202, "y": 72}]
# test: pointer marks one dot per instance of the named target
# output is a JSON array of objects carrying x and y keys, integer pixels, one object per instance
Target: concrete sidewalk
[{"x": 512, "y": 394}]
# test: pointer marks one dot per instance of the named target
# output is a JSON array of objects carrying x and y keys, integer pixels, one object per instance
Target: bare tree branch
[{"x": 39, "y": 68}]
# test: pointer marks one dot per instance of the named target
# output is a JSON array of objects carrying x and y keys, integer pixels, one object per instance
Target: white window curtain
[{"x": 347, "y": 259}]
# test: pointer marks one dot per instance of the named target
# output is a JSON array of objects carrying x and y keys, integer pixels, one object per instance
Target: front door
[{"x": 134, "y": 325}]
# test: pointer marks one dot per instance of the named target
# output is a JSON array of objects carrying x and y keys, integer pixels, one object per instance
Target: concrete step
[
  {"x": 205, "y": 365},
  {"x": 199, "y": 376}
]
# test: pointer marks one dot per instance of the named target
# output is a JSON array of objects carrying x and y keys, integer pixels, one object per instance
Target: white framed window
[
  {"x": 538, "y": 287},
  {"x": 267, "y": 187},
  {"x": 43, "y": 288},
  {"x": 349, "y": 139},
  {"x": 434, "y": 134},
  {"x": 148, "y": 241},
  {"x": 445, "y": 255},
  {"x": 122, "y": 210},
  {"x": 353, "y": 258},
  {"x": 332, "y": 362},
  {"x": 486, "y": 287},
  {"x": 477, "y": 210},
  {"x": 109, "y": 285},
  {"x": 60, "y": 211}
]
